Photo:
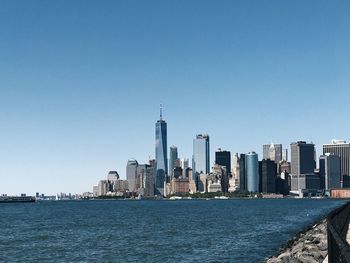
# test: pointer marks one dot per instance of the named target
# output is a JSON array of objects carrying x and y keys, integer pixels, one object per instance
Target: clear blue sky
[{"x": 81, "y": 82}]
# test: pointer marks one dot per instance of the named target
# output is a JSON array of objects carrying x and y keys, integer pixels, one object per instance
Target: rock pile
[{"x": 309, "y": 246}]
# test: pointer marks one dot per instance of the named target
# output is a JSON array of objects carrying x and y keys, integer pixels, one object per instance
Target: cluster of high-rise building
[
  {"x": 274, "y": 173},
  {"x": 113, "y": 186}
]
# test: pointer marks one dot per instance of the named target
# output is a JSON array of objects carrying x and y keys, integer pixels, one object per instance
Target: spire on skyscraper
[{"x": 161, "y": 111}]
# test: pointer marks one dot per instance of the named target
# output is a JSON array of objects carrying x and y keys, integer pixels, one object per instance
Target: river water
[{"x": 239, "y": 230}]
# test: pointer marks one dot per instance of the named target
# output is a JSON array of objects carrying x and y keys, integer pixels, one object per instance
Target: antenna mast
[{"x": 161, "y": 112}]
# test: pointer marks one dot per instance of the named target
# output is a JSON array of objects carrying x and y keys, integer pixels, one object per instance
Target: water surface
[{"x": 153, "y": 231}]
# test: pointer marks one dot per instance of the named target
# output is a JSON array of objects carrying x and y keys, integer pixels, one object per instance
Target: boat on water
[{"x": 17, "y": 199}]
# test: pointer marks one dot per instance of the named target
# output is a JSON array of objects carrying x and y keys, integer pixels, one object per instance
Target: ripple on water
[{"x": 151, "y": 231}]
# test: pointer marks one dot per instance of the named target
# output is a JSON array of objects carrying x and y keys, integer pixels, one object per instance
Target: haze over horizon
[{"x": 81, "y": 82}]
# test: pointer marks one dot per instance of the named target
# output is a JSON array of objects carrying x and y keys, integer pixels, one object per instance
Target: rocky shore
[{"x": 309, "y": 246}]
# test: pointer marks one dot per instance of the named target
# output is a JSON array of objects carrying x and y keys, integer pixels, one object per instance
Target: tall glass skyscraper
[
  {"x": 252, "y": 171},
  {"x": 161, "y": 155},
  {"x": 131, "y": 174},
  {"x": 200, "y": 159}
]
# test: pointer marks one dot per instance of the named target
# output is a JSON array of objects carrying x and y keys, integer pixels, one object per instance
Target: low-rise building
[{"x": 340, "y": 193}]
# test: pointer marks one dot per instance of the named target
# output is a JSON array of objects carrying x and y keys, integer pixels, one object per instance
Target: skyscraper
[
  {"x": 223, "y": 158},
  {"x": 342, "y": 149},
  {"x": 329, "y": 169},
  {"x": 242, "y": 173},
  {"x": 131, "y": 174},
  {"x": 303, "y": 165},
  {"x": 252, "y": 171},
  {"x": 272, "y": 152},
  {"x": 161, "y": 155},
  {"x": 267, "y": 176},
  {"x": 173, "y": 156},
  {"x": 149, "y": 182},
  {"x": 200, "y": 159},
  {"x": 145, "y": 180}
]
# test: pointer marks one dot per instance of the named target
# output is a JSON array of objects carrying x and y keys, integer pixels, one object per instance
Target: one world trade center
[{"x": 161, "y": 155}]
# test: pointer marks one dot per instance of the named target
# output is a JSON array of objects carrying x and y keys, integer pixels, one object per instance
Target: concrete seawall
[{"x": 309, "y": 246}]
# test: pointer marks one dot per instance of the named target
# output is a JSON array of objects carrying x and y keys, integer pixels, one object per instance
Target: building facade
[
  {"x": 180, "y": 186},
  {"x": 242, "y": 173},
  {"x": 223, "y": 158},
  {"x": 252, "y": 171},
  {"x": 303, "y": 165},
  {"x": 268, "y": 176},
  {"x": 131, "y": 174},
  {"x": 272, "y": 152},
  {"x": 173, "y": 156},
  {"x": 161, "y": 174},
  {"x": 329, "y": 170},
  {"x": 342, "y": 149},
  {"x": 201, "y": 155}
]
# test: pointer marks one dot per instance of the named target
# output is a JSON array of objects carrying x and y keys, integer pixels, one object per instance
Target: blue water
[{"x": 153, "y": 231}]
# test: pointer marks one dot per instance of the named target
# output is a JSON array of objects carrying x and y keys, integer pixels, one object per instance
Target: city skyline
[{"x": 80, "y": 87}]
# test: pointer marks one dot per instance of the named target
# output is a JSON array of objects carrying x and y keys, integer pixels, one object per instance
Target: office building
[
  {"x": 223, "y": 158},
  {"x": 302, "y": 167},
  {"x": 200, "y": 159},
  {"x": 103, "y": 187},
  {"x": 173, "y": 156},
  {"x": 267, "y": 176},
  {"x": 272, "y": 152},
  {"x": 242, "y": 173},
  {"x": 161, "y": 156},
  {"x": 180, "y": 186},
  {"x": 131, "y": 174},
  {"x": 120, "y": 185},
  {"x": 329, "y": 170},
  {"x": 252, "y": 172},
  {"x": 145, "y": 180},
  {"x": 342, "y": 149}
]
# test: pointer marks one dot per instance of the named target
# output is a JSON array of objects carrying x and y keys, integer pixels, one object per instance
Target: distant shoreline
[{"x": 110, "y": 198}]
